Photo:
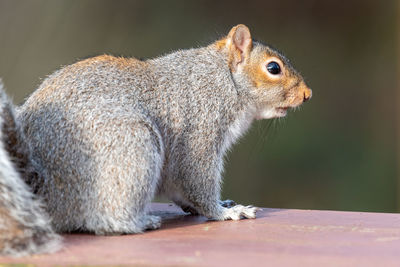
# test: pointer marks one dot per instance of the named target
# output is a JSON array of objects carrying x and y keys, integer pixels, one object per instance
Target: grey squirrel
[{"x": 100, "y": 138}]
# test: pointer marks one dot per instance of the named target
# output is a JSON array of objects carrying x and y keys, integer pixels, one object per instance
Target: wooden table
[{"x": 278, "y": 237}]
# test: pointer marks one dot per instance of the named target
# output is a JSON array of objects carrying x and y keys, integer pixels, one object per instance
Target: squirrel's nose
[{"x": 307, "y": 95}]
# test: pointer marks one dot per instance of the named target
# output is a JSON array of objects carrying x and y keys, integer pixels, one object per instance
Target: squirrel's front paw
[{"x": 239, "y": 211}]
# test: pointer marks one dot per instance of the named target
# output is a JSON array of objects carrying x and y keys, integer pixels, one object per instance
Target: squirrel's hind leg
[{"x": 130, "y": 170}]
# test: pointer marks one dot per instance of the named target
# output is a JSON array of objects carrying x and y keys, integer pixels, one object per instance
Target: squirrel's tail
[{"x": 24, "y": 225}]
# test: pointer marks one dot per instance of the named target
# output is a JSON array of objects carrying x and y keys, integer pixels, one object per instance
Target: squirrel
[{"x": 93, "y": 145}]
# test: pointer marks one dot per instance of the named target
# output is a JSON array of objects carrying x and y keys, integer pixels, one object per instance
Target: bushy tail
[{"x": 24, "y": 225}]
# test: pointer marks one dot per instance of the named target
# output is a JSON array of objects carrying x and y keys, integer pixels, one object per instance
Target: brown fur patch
[
  {"x": 254, "y": 70},
  {"x": 119, "y": 62},
  {"x": 220, "y": 44}
]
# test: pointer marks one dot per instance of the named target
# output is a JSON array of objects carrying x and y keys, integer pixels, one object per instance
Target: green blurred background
[{"x": 338, "y": 152}]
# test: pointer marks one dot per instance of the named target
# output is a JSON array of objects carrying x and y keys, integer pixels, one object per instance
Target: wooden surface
[{"x": 276, "y": 238}]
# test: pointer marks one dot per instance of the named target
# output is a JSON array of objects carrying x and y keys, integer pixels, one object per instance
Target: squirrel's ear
[{"x": 240, "y": 44}]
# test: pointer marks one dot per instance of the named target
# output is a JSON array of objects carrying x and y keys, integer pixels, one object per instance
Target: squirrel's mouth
[
  {"x": 281, "y": 111},
  {"x": 271, "y": 112}
]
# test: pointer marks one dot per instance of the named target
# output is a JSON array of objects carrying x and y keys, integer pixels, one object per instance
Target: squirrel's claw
[{"x": 227, "y": 203}]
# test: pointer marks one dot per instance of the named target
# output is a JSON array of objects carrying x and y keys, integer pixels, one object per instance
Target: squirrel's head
[{"x": 274, "y": 83}]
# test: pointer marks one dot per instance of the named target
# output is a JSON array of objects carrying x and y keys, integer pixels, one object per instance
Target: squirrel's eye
[{"x": 273, "y": 68}]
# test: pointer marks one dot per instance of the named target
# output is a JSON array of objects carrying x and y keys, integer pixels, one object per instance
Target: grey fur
[
  {"x": 109, "y": 133},
  {"x": 24, "y": 225}
]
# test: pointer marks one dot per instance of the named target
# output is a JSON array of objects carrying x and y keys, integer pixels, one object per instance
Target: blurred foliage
[{"x": 338, "y": 152}]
